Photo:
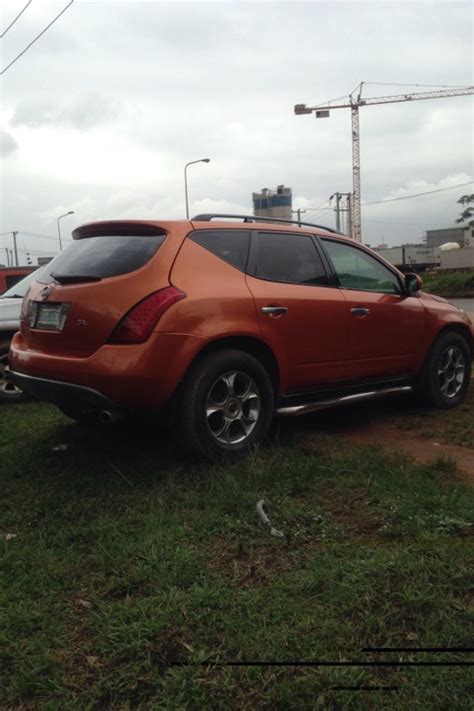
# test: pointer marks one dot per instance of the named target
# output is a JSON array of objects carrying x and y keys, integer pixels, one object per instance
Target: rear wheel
[
  {"x": 226, "y": 405},
  {"x": 446, "y": 374},
  {"x": 9, "y": 392}
]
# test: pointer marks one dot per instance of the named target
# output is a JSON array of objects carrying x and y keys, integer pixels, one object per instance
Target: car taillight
[{"x": 137, "y": 324}]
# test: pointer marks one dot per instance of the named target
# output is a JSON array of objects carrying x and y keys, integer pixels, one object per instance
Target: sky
[{"x": 100, "y": 116}]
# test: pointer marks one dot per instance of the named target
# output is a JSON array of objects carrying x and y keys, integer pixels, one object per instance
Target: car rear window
[{"x": 100, "y": 257}]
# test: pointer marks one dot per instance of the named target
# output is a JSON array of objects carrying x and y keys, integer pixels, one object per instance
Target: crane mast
[{"x": 354, "y": 103}]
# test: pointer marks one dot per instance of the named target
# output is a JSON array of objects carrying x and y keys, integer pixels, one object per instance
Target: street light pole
[
  {"x": 201, "y": 160},
  {"x": 71, "y": 212},
  {"x": 15, "y": 246}
]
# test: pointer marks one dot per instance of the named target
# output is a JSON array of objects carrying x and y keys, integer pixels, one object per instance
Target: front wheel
[
  {"x": 226, "y": 405},
  {"x": 446, "y": 374}
]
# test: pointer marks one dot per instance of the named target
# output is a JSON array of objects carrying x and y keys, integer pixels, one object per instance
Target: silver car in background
[{"x": 10, "y": 310}]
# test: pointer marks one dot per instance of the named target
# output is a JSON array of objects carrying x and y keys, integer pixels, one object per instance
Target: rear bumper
[
  {"x": 142, "y": 376},
  {"x": 84, "y": 399}
]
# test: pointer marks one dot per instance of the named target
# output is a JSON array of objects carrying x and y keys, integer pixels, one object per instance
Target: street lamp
[
  {"x": 201, "y": 160},
  {"x": 71, "y": 212}
]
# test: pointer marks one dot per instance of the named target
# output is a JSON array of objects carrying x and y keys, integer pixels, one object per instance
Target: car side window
[
  {"x": 358, "y": 270},
  {"x": 230, "y": 245},
  {"x": 288, "y": 257}
]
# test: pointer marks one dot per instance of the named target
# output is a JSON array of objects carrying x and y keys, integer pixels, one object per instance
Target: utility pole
[
  {"x": 353, "y": 103},
  {"x": 15, "y": 246},
  {"x": 349, "y": 208},
  {"x": 339, "y": 210},
  {"x": 298, "y": 212}
]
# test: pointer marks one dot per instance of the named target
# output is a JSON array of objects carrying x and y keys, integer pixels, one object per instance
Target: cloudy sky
[{"x": 102, "y": 113}]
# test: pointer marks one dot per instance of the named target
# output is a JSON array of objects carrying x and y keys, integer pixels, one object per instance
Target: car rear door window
[
  {"x": 355, "y": 269},
  {"x": 100, "y": 257},
  {"x": 230, "y": 245},
  {"x": 287, "y": 257}
]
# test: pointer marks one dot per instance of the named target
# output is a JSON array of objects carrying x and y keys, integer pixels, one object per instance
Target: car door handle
[
  {"x": 274, "y": 310},
  {"x": 360, "y": 311}
]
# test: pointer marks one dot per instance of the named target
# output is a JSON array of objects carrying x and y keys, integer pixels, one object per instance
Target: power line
[
  {"x": 16, "y": 18},
  {"x": 407, "y": 197},
  {"x": 35, "y": 251},
  {"x": 391, "y": 222},
  {"x": 33, "y": 234},
  {"x": 36, "y": 38},
  {"x": 321, "y": 208},
  {"x": 319, "y": 212}
]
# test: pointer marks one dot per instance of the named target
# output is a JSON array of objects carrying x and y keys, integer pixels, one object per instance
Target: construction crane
[{"x": 353, "y": 103}]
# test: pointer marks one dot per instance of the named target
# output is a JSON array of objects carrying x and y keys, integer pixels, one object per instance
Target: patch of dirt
[
  {"x": 419, "y": 448},
  {"x": 379, "y": 423}
]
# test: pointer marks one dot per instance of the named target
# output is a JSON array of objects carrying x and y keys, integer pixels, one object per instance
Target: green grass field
[
  {"x": 450, "y": 284},
  {"x": 136, "y": 576}
]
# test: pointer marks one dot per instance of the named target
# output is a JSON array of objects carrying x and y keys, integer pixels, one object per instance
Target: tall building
[{"x": 273, "y": 203}]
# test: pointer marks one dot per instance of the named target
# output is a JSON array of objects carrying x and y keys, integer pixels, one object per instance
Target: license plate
[{"x": 48, "y": 317}]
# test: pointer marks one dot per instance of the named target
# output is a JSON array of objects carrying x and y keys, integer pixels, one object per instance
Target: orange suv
[{"x": 228, "y": 322}]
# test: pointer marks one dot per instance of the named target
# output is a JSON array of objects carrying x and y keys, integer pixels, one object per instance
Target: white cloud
[
  {"x": 82, "y": 113},
  {"x": 8, "y": 144}
]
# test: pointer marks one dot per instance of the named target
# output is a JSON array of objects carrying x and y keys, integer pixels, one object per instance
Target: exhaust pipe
[{"x": 108, "y": 417}]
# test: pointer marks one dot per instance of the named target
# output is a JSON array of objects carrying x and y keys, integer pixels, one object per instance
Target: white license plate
[{"x": 50, "y": 317}]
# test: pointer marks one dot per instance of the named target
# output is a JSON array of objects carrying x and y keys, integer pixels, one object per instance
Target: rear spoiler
[{"x": 116, "y": 228}]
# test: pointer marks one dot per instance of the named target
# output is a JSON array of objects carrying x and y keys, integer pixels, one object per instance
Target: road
[{"x": 466, "y": 304}]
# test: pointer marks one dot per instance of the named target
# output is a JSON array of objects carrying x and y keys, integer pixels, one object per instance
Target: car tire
[
  {"x": 444, "y": 381},
  {"x": 9, "y": 392},
  {"x": 225, "y": 406}
]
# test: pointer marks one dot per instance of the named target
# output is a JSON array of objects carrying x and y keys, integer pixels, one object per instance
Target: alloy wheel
[
  {"x": 232, "y": 407},
  {"x": 451, "y": 371}
]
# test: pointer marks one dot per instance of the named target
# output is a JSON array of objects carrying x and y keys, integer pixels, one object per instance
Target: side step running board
[{"x": 343, "y": 400}]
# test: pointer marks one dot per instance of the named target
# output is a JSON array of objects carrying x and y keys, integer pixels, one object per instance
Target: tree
[{"x": 467, "y": 215}]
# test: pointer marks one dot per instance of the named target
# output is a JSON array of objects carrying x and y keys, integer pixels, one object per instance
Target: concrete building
[
  {"x": 273, "y": 203},
  {"x": 461, "y": 235}
]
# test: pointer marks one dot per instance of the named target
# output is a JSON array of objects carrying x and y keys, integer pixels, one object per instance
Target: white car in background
[{"x": 10, "y": 310}]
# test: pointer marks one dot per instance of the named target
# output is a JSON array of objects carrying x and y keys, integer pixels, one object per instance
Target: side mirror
[{"x": 413, "y": 283}]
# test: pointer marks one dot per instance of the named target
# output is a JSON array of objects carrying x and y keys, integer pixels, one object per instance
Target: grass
[
  {"x": 136, "y": 575},
  {"x": 450, "y": 284},
  {"x": 455, "y": 427}
]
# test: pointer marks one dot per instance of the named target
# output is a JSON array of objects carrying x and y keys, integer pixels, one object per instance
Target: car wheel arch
[
  {"x": 248, "y": 344},
  {"x": 456, "y": 327}
]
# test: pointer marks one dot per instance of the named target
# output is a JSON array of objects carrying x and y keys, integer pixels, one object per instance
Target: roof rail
[{"x": 207, "y": 217}]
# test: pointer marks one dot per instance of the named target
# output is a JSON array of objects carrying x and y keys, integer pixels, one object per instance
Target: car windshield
[{"x": 18, "y": 290}]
